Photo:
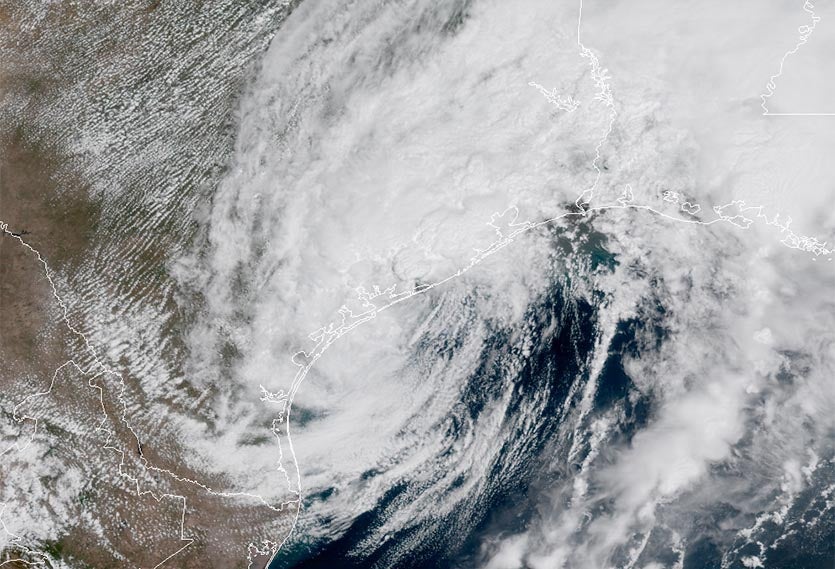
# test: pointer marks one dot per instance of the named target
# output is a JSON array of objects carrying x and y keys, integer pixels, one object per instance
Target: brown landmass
[
  {"x": 35, "y": 341},
  {"x": 47, "y": 202}
]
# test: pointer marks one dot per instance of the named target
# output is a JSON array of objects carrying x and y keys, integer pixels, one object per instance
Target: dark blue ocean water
[{"x": 532, "y": 460}]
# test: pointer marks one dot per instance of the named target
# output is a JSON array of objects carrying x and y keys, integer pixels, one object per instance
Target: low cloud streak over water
[{"x": 616, "y": 390}]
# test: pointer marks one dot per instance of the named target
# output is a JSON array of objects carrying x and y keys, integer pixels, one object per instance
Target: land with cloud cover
[{"x": 631, "y": 381}]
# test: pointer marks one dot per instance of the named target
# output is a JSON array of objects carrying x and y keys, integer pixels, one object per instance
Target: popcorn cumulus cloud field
[{"x": 414, "y": 284}]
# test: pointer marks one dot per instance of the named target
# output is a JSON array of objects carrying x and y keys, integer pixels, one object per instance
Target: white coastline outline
[
  {"x": 348, "y": 320},
  {"x": 565, "y": 103},
  {"x": 325, "y": 336},
  {"x": 97, "y": 369},
  {"x": 771, "y": 86}
]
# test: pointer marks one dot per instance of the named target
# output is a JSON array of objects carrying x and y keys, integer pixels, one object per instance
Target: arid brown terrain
[{"x": 106, "y": 112}]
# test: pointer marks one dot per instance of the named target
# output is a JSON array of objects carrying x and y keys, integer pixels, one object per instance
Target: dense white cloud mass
[
  {"x": 531, "y": 284},
  {"x": 374, "y": 145}
]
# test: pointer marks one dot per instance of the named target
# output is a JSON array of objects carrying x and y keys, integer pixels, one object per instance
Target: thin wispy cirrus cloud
[{"x": 373, "y": 147}]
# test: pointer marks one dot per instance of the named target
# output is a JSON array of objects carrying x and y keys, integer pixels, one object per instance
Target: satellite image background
[{"x": 487, "y": 284}]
